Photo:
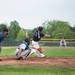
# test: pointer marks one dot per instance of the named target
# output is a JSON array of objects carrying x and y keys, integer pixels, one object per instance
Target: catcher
[{"x": 23, "y": 50}]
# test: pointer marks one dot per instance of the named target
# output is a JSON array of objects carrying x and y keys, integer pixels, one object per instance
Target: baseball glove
[{"x": 40, "y": 50}]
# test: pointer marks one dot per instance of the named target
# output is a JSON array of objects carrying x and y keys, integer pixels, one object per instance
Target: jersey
[
  {"x": 37, "y": 36},
  {"x": 1, "y": 37},
  {"x": 23, "y": 46}
]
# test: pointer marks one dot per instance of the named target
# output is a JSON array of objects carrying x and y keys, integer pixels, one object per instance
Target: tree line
[
  {"x": 59, "y": 29},
  {"x": 52, "y": 29}
]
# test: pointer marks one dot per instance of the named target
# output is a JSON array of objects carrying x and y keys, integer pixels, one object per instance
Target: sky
[{"x": 32, "y": 13}]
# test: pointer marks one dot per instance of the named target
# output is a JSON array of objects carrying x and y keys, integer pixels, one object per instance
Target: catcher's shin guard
[
  {"x": 17, "y": 56},
  {"x": 26, "y": 54}
]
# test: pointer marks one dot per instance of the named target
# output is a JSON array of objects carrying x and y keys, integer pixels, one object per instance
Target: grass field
[
  {"x": 39, "y": 70},
  {"x": 35, "y": 70},
  {"x": 48, "y": 51}
]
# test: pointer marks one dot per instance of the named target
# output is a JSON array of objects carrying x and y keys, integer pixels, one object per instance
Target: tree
[
  {"x": 49, "y": 27},
  {"x": 62, "y": 30},
  {"x": 57, "y": 29},
  {"x": 2, "y": 26},
  {"x": 73, "y": 31},
  {"x": 73, "y": 28},
  {"x": 21, "y": 35},
  {"x": 13, "y": 30},
  {"x": 30, "y": 32}
]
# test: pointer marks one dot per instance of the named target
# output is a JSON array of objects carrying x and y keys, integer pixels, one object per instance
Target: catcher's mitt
[{"x": 40, "y": 50}]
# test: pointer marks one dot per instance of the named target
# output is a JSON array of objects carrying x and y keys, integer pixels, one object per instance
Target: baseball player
[
  {"x": 63, "y": 43},
  {"x": 3, "y": 35},
  {"x": 35, "y": 42},
  {"x": 23, "y": 51}
]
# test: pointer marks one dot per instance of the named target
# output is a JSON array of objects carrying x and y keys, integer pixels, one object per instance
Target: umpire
[{"x": 3, "y": 35}]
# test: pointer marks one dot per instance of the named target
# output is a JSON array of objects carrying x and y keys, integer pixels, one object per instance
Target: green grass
[
  {"x": 35, "y": 70},
  {"x": 39, "y": 70},
  {"x": 8, "y": 51},
  {"x": 59, "y": 51},
  {"x": 48, "y": 51}
]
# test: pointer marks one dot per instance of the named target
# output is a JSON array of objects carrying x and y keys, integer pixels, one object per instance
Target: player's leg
[
  {"x": 25, "y": 54},
  {"x": 18, "y": 54},
  {"x": 36, "y": 49},
  {"x": 32, "y": 51},
  {"x": 33, "y": 45},
  {"x": 37, "y": 53}
]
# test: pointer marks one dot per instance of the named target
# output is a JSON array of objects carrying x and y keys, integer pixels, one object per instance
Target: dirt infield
[{"x": 50, "y": 61}]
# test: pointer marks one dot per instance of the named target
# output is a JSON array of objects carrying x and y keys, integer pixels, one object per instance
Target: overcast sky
[{"x": 32, "y": 13}]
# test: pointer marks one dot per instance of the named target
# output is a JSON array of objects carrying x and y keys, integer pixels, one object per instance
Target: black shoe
[{"x": 18, "y": 58}]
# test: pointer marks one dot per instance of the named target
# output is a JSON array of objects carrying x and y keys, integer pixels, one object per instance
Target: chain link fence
[{"x": 42, "y": 43}]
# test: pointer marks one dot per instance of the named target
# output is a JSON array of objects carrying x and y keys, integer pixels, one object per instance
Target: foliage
[
  {"x": 13, "y": 30},
  {"x": 21, "y": 35},
  {"x": 52, "y": 29},
  {"x": 58, "y": 29},
  {"x": 2, "y": 26}
]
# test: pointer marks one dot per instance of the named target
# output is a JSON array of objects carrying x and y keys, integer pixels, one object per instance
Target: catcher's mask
[{"x": 27, "y": 40}]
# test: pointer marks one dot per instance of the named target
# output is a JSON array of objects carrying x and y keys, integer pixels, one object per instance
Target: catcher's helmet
[{"x": 27, "y": 40}]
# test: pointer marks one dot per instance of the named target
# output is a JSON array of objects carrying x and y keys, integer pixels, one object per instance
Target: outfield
[
  {"x": 39, "y": 70},
  {"x": 35, "y": 70},
  {"x": 48, "y": 51}
]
